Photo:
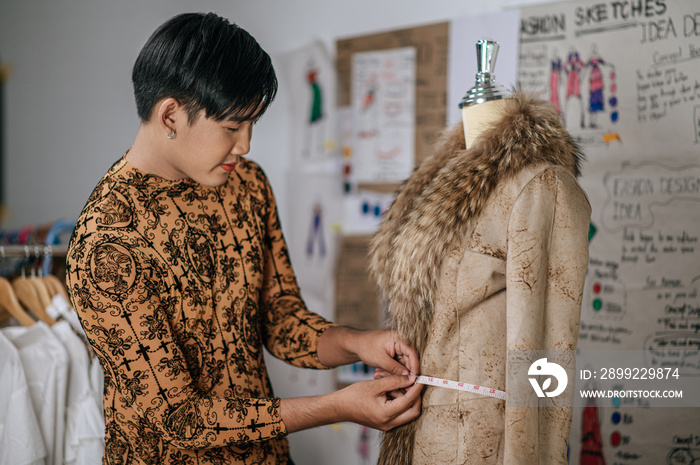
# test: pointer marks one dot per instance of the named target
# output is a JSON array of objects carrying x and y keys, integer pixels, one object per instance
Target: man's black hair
[{"x": 206, "y": 63}]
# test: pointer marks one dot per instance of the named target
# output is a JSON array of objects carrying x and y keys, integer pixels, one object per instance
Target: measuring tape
[{"x": 446, "y": 383}]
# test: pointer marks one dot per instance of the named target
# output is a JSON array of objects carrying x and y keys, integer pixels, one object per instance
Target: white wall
[
  {"x": 70, "y": 112},
  {"x": 69, "y": 105}
]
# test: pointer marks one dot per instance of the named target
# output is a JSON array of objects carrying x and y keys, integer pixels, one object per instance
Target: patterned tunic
[{"x": 178, "y": 286}]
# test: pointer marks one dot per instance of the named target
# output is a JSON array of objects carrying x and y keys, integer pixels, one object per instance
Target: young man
[{"x": 179, "y": 272}]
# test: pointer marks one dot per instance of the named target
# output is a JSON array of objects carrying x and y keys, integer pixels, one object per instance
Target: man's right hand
[{"x": 381, "y": 404}]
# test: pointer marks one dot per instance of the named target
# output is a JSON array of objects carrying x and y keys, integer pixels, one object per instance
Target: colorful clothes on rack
[{"x": 178, "y": 287}]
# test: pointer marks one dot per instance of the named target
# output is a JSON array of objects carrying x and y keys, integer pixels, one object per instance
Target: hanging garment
[
  {"x": 485, "y": 251},
  {"x": 45, "y": 363},
  {"x": 84, "y": 438},
  {"x": 21, "y": 442},
  {"x": 60, "y": 307}
]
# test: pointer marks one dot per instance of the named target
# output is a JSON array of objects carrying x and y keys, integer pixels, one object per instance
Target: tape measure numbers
[{"x": 446, "y": 383}]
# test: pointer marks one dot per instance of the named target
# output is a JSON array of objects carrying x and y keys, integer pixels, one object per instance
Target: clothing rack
[
  {"x": 36, "y": 242},
  {"x": 33, "y": 251},
  {"x": 25, "y": 260}
]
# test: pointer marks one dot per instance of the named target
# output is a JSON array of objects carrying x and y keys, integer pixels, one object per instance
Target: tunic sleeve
[
  {"x": 546, "y": 265},
  {"x": 291, "y": 331},
  {"x": 116, "y": 289}
]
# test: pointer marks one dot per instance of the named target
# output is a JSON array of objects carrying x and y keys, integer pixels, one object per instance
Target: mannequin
[
  {"x": 483, "y": 105},
  {"x": 483, "y": 254},
  {"x": 477, "y": 118}
]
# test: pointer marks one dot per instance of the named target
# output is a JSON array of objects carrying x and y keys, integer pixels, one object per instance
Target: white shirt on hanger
[
  {"x": 61, "y": 308},
  {"x": 45, "y": 362},
  {"x": 85, "y": 426},
  {"x": 21, "y": 442},
  {"x": 97, "y": 381}
]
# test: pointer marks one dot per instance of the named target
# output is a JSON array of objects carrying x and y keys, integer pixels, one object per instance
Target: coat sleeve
[
  {"x": 546, "y": 265},
  {"x": 290, "y": 330}
]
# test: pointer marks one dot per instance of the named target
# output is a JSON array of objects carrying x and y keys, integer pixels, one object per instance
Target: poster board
[
  {"x": 357, "y": 302},
  {"x": 626, "y": 78},
  {"x": 356, "y": 299},
  {"x": 430, "y": 43}
]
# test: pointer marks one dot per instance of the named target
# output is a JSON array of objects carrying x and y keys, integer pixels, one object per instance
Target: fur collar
[{"x": 435, "y": 205}]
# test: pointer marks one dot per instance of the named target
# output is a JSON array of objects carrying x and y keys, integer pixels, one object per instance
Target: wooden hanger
[
  {"x": 39, "y": 284},
  {"x": 52, "y": 285},
  {"x": 26, "y": 293},
  {"x": 41, "y": 290},
  {"x": 31, "y": 291},
  {"x": 4, "y": 315},
  {"x": 9, "y": 302},
  {"x": 55, "y": 286}
]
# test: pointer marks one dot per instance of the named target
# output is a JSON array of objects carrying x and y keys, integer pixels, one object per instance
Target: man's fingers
[
  {"x": 392, "y": 383},
  {"x": 410, "y": 413},
  {"x": 395, "y": 368},
  {"x": 407, "y": 355},
  {"x": 379, "y": 373},
  {"x": 388, "y": 401},
  {"x": 406, "y": 407},
  {"x": 402, "y": 393}
]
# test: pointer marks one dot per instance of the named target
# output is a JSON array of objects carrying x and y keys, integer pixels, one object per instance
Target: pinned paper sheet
[
  {"x": 310, "y": 75},
  {"x": 384, "y": 89}
]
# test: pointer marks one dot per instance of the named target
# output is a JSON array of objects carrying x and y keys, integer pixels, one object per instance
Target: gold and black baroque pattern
[{"x": 178, "y": 286}]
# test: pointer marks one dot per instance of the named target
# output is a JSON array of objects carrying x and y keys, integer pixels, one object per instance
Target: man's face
[{"x": 208, "y": 150}]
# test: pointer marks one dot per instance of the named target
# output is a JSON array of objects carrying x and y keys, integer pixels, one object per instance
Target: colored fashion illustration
[
  {"x": 555, "y": 81},
  {"x": 574, "y": 102},
  {"x": 582, "y": 112},
  {"x": 596, "y": 88},
  {"x": 591, "y": 440},
  {"x": 314, "y": 134},
  {"x": 315, "y": 239}
]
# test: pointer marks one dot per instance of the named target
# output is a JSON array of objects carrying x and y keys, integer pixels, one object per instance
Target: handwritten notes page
[
  {"x": 625, "y": 76},
  {"x": 430, "y": 42},
  {"x": 383, "y": 101}
]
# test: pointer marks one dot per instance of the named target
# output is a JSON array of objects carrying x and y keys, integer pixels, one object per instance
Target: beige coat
[{"x": 483, "y": 252}]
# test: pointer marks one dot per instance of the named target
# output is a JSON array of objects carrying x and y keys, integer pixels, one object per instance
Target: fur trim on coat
[{"x": 435, "y": 207}]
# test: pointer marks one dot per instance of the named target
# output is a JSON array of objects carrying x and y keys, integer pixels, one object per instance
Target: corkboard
[
  {"x": 356, "y": 297},
  {"x": 430, "y": 42}
]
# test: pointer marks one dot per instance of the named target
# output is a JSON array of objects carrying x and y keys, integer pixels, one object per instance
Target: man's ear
[{"x": 169, "y": 113}]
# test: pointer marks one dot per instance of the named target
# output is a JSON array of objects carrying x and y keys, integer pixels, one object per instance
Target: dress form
[
  {"x": 464, "y": 257},
  {"x": 477, "y": 118},
  {"x": 484, "y": 103}
]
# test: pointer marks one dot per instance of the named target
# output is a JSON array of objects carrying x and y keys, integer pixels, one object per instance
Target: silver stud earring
[{"x": 171, "y": 135}]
